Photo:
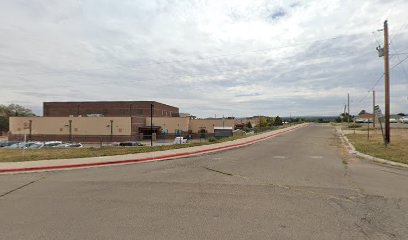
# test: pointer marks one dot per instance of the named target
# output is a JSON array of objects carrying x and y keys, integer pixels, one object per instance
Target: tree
[
  {"x": 12, "y": 110},
  {"x": 278, "y": 121},
  {"x": 263, "y": 123},
  {"x": 249, "y": 125},
  {"x": 345, "y": 117},
  {"x": 362, "y": 112},
  {"x": 401, "y": 114},
  {"x": 270, "y": 121}
]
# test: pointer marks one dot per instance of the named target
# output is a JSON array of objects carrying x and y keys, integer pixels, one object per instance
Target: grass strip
[
  {"x": 21, "y": 155},
  {"x": 374, "y": 146}
]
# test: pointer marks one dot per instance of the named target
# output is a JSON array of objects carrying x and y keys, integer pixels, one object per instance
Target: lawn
[
  {"x": 20, "y": 155},
  {"x": 374, "y": 146}
]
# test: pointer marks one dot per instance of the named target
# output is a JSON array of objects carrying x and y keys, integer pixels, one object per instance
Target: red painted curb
[{"x": 149, "y": 159}]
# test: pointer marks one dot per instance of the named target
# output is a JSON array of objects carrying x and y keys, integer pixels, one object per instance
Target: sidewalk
[{"x": 65, "y": 164}]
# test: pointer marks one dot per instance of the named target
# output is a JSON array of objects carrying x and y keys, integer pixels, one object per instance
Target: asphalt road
[{"x": 300, "y": 185}]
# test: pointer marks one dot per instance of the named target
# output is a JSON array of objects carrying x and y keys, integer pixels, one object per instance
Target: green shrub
[{"x": 354, "y": 125}]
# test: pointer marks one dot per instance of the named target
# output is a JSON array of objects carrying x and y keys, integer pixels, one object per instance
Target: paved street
[{"x": 300, "y": 185}]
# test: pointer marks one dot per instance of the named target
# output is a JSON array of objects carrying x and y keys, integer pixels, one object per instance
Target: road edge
[{"x": 352, "y": 150}]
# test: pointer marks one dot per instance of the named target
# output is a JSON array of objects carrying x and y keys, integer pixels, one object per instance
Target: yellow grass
[{"x": 395, "y": 151}]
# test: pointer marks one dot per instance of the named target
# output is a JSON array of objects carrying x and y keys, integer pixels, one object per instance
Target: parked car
[
  {"x": 393, "y": 120},
  {"x": 7, "y": 143},
  {"x": 36, "y": 145},
  {"x": 130, "y": 144},
  {"x": 19, "y": 145},
  {"x": 404, "y": 120},
  {"x": 180, "y": 140},
  {"x": 52, "y": 144},
  {"x": 74, "y": 145},
  {"x": 68, "y": 145}
]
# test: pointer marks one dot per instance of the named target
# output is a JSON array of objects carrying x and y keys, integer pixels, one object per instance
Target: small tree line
[{"x": 265, "y": 122}]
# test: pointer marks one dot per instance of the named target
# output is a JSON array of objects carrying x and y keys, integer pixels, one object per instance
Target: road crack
[
  {"x": 21, "y": 187},
  {"x": 214, "y": 170}
]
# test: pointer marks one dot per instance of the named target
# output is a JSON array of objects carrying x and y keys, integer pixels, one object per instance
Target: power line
[
  {"x": 397, "y": 54},
  {"x": 378, "y": 80},
  {"x": 400, "y": 62},
  {"x": 396, "y": 33},
  {"x": 382, "y": 75}
]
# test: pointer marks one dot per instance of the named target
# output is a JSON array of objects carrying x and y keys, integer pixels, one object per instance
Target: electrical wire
[
  {"x": 400, "y": 62},
  {"x": 394, "y": 66},
  {"x": 377, "y": 81}
]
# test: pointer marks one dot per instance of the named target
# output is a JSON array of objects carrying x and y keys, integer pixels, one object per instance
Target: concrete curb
[
  {"x": 353, "y": 151},
  {"x": 66, "y": 164}
]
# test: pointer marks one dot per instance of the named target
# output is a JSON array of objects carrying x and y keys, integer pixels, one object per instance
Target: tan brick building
[
  {"x": 110, "y": 121},
  {"x": 136, "y": 110}
]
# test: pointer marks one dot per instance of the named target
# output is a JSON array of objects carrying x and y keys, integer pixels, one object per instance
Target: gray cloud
[{"x": 215, "y": 57}]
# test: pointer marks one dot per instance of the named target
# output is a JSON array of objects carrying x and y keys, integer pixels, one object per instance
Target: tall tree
[
  {"x": 249, "y": 125},
  {"x": 263, "y": 123},
  {"x": 278, "y": 121}
]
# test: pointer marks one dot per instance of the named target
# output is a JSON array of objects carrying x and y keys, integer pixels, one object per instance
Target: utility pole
[
  {"x": 387, "y": 83},
  {"x": 373, "y": 108},
  {"x": 348, "y": 107},
  {"x": 344, "y": 113},
  {"x": 30, "y": 129},
  {"x": 70, "y": 130},
  {"x": 111, "y": 130},
  {"x": 151, "y": 124}
]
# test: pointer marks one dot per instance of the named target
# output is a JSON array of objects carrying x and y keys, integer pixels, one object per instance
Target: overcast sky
[{"x": 238, "y": 58}]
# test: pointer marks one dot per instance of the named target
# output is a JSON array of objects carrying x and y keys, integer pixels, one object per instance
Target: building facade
[
  {"x": 185, "y": 126},
  {"x": 111, "y": 122},
  {"x": 136, "y": 110},
  {"x": 73, "y": 129}
]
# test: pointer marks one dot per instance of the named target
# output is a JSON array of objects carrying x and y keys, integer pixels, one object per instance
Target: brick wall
[{"x": 108, "y": 109}]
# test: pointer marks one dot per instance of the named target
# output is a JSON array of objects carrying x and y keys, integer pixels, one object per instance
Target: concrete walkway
[{"x": 65, "y": 164}]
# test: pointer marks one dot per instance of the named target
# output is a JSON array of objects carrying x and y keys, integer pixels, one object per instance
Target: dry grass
[{"x": 395, "y": 151}]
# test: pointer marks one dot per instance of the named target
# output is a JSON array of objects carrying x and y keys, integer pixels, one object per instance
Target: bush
[
  {"x": 212, "y": 139},
  {"x": 353, "y": 125}
]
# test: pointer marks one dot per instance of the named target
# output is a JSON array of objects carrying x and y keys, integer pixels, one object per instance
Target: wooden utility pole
[
  {"x": 387, "y": 83},
  {"x": 373, "y": 108},
  {"x": 151, "y": 124},
  {"x": 348, "y": 107}
]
